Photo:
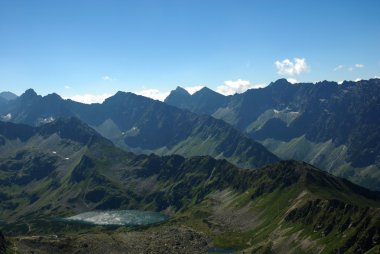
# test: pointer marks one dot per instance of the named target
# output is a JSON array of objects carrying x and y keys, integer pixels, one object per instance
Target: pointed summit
[
  {"x": 29, "y": 94},
  {"x": 179, "y": 95},
  {"x": 280, "y": 82},
  {"x": 125, "y": 98},
  {"x": 181, "y": 90},
  {"x": 205, "y": 91}
]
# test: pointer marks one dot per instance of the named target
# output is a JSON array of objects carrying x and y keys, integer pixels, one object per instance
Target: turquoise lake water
[{"x": 120, "y": 218}]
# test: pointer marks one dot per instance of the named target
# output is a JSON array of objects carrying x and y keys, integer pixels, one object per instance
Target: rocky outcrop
[
  {"x": 3, "y": 244},
  {"x": 328, "y": 216},
  {"x": 166, "y": 240}
]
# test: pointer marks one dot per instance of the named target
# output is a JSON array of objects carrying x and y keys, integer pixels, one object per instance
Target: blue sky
[{"x": 78, "y": 47}]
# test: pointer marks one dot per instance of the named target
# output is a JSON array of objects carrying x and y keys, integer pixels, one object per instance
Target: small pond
[{"x": 119, "y": 218}]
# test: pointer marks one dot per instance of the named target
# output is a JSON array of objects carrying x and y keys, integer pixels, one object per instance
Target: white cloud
[
  {"x": 358, "y": 79},
  {"x": 339, "y": 67},
  {"x": 67, "y": 87},
  {"x": 288, "y": 68},
  {"x": 193, "y": 89},
  {"x": 107, "y": 78},
  {"x": 356, "y": 66},
  {"x": 154, "y": 94},
  {"x": 239, "y": 86},
  {"x": 350, "y": 68},
  {"x": 89, "y": 98},
  {"x": 359, "y": 66},
  {"x": 340, "y": 82},
  {"x": 157, "y": 94},
  {"x": 292, "y": 80}
]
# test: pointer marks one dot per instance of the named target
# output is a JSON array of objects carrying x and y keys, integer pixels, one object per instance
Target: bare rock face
[{"x": 2, "y": 243}]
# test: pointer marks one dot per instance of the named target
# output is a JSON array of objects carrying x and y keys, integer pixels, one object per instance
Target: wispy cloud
[
  {"x": 359, "y": 66},
  {"x": 107, "y": 78},
  {"x": 160, "y": 95},
  {"x": 339, "y": 67},
  {"x": 292, "y": 80},
  {"x": 67, "y": 87},
  {"x": 288, "y": 68},
  {"x": 89, "y": 98},
  {"x": 239, "y": 86},
  {"x": 356, "y": 66},
  {"x": 154, "y": 94}
]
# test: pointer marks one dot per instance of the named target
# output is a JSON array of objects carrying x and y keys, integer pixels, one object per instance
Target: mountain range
[
  {"x": 198, "y": 161},
  {"x": 65, "y": 167},
  {"x": 142, "y": 125},
  {"x": 332, "y": 126}
]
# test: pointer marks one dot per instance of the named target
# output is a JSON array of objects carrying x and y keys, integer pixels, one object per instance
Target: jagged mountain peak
[
  {"x": 30, "y": 93},
  {"x": 74, "y": 129},
  {"x": 177, "y": 95},
  {"x": 206, "y": 91},
  {"x": 125, "y": 95},
  {"x": 326, "y": 83},
  {"x": 129, "y": 99},
  {"x": 67, "y": 128},
  {"x": 181, "y": 90},
  {"x": 280, "y": 82}
]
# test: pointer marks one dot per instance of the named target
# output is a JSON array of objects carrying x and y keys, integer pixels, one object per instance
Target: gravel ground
[{"x": 158, "y": 240}]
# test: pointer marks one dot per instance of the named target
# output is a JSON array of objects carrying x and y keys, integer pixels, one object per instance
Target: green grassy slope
[{"x": 284, "y": 207}]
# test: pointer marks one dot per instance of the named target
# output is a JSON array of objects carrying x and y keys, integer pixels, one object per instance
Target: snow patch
[
  {"x": 46, "y": 120},
  {"x": 134, "y": 131}
]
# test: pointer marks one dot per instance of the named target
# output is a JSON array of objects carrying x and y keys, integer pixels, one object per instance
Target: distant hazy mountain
[
  {"x": 143, "y": 125},
  {"x": 8, "y": 96},
  {"x": 65, "y": 167},
  {"x": 5, "y": 97},
  {"x": 335, "y": 127}
]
